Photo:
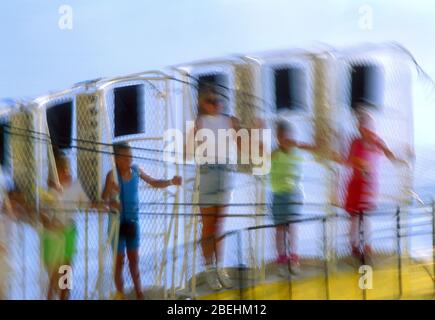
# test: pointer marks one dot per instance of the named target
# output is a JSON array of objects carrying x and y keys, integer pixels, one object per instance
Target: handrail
[{"x": 396, "y": 228}]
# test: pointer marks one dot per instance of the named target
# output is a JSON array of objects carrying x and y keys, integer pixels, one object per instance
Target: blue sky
[{"x": 112, "y": 37}]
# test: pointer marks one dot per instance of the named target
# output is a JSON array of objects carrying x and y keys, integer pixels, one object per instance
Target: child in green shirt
[{"x": 287, "y": 195}]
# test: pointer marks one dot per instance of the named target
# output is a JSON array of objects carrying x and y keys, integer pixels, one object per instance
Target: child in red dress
[{"x": 362, "y": 188}]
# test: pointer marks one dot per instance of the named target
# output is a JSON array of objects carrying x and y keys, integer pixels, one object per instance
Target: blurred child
[
  {"x": 286, "y": 193},
  {"x": 60, "y": 233},
  {"x": 129, "y": 175},
  {"x": 362, "y": 188},
  {"x": 214, "y": 185},
  {"x": 12, "y": 208}
]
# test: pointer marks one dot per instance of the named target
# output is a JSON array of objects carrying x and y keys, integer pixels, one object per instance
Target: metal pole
[
  {"x": 86, "y": 252},
  {"x": 195, "y": 245},
  {"x": 165, "y": 195},
  {"x": 177, "y": 197},
  {"x": 399, "y": 252},
  {"x": 240, "y": 263},
  {"x": 433, "y": 242},
  {"x": 362, "y": 247},
  {"x": 325, "y": 258},
  {"x": 100, "y": 256},
  {"x": 188, "y": 222},
  {"x": 117, "y": 216},
  {"x": 23, "y": 260},
  {"x": 195, "y": 231},
  {"x": 166, "y": 238},
  {"x": 290, "y": 287},
  {"x": 261, "y": 186},
  {"x": 174, "y": 251}
]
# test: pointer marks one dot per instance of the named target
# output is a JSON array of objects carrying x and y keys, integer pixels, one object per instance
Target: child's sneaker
[
  {"x": 283, "y": 271},
  {"x": 212, "y": 280},
  {"x": 356, "y": 252},
  {"x": 294, "y": 258},
  {"x": 295, "y": 266},
  {"x": 368, "y": 255},
  {"x": 368, "y": 251},
  {"x": 282, "y": 259},
  {"x": 224, "y": 279},
  {"x": 140, "y": 296}
]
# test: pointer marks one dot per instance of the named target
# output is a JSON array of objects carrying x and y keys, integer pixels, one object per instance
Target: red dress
[{"x": 362, "y": 187}]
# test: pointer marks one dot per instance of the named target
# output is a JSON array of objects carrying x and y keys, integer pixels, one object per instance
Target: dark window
[
  {"x": 290, "y": 88},
  {"x": 218, "y": 81},
  {"x": 367, "y": 85},
  {"x": 60, "y": 122},
  {"x": 129, "y": 110}
]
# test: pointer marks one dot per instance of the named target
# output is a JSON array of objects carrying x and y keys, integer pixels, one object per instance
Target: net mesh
[{"x": 170, "y": 225}]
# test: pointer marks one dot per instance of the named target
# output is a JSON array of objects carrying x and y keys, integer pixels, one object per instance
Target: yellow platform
[{"x": 416, "y": 280}]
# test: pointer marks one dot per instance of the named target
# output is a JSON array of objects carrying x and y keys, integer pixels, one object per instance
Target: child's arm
[
  {"x": 156, "y": 183},
  {"x": 235, "y": 124},
  {"x": 44, "y": 219},
  {"x": 313, "y": 148},
  {"x": 110, "y": 187},
  {"x": 49, "y": 222},
  {"x": 102, "y": 205},
  {"x": 20, "y": 208},
  {"x": 337, "y": 157},
  {"x": 387, "y": 152},
  {"x": 189, "y": 147},
  {"x": 305, "y": 146}
]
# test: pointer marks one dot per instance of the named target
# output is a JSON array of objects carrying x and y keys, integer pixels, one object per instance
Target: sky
[{"x": 110, "y": 38}]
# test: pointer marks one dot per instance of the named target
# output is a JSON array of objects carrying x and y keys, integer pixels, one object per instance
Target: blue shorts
[
  {"x": 214, "y": 185},
  {"x": 128, "y": 236},
  {"x": 286, "y": 206}
]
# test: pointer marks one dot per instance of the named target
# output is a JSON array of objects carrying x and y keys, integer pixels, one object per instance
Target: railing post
[
  {"x": 433, "y": 241},
  {"x": 86, "y": 252},
  {"x": 362, "y": 247},
  {"x": 287, "y": 253},
  {"x": 399, "y": 252},
  {"x": 196, "y": 243},
  {"x": 240, "y": 263},
  {"x": 100, "y": 257},
  {"x": 325, "y": 258}
]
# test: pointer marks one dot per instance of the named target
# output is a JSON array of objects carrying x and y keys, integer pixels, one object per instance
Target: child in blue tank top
[{"x": 129, "y": 176}]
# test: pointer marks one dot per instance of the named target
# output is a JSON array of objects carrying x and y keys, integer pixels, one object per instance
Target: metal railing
[{"x": 402, "y": 238}]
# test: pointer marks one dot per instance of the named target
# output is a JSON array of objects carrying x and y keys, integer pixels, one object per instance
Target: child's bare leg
[
  {"x": 65, "y": 293},
  {"x": 51, "y": 292},
  {"x": 367, "y": 235},
  {"x": 280, "y": 240},
  {"x": 292, "y": 237},
  {"x": 218, "y": 245},
  {"x": 119, "y": 281},
  {"x": 367, "y": 231},
  {"x": 354, "y": 231},
  {"x": 133, "y": 264},
  {"x": 52, "y": 284},
  {"x": 208, "y": 233}
]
